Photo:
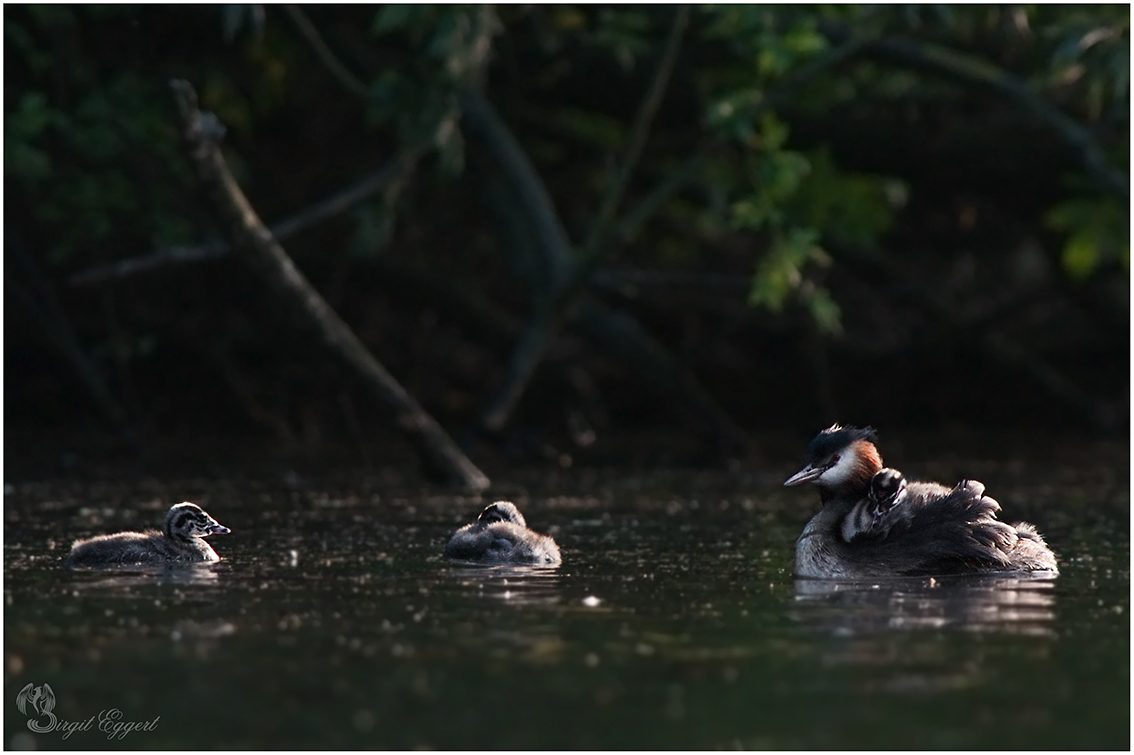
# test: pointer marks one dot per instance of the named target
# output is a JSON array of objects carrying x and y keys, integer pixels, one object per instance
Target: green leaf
[
  {"x": 780, "y": 272},
  {"x": 624, "y": 31},
  {"x": 393, "y": 17},
  {"x": 593, "y": 128},
  {"x": 773, "y": 132},
  {"x": 824, "y": 310},
  {"x": 780, "y": 277},
  {"x": 1096, "y": 232},
  {"x": 26, "y": 163},
  {"x": 236, "y": 16},
  {"x": 32, "y": 116},
  {"x": 847, "y": 207},
  {"x": 1080, "y": 255}
]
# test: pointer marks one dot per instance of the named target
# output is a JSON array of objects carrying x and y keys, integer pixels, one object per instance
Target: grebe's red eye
[{"x": 835, "y": 459}]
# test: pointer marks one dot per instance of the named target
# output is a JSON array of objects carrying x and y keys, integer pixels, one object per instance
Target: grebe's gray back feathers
[
  {"x": 937, "y": 530},
  {"x": 953, "y": 530}
]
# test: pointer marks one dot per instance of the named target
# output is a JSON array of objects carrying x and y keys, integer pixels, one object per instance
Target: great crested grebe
[
  {"x": 180, "y": 541},
  {"x": 876, "y": 523},
  {"x": 501, "y": 536}
]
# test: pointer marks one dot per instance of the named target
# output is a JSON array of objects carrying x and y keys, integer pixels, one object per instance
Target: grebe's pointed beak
[
  {"x": 216, "y": 528},
  {"x": 807, "y": 474}
]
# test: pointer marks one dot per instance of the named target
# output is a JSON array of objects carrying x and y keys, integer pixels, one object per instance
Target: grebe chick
[
  {"x": 876, "y": 523},
  {"x": 875, "y": 514},
  {"x": 180, "y": 541},
  {"x": 501, "y": 536}
]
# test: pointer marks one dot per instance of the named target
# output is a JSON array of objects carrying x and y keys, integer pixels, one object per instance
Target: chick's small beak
[
  {"x": 807, "y": 474},
  {"x": 216, "y": 528}
]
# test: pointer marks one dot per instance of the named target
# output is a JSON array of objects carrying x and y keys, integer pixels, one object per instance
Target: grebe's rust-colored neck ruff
[{"x": 862, "y": 462}]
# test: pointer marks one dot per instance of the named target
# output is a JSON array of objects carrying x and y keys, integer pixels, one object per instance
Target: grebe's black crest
[{"x": 836, "y": 438}]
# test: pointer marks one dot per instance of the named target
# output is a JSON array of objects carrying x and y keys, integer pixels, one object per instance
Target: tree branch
[
  {"x": 639, "y": 132},
  {"x": 256, "y": 245},
  {"x": 981, "y": 73},
  {"x": 552, "y": 311},
  {"x": 392, "y": 172},
  {"x": 517, "y": 170},
  {"x": 330, "y": 61}
]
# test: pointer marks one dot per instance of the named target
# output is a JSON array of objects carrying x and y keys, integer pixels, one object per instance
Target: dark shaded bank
[{"x": 764, "y": 217}]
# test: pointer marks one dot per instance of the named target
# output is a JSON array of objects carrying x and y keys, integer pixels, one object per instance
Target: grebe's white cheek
[{"x": 840, "y": 472}]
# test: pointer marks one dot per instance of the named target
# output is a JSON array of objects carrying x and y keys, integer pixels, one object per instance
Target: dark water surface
[{"x": 673, "y": 623}]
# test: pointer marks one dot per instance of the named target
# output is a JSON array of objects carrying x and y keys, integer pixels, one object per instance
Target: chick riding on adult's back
[{"x": 876, "y": 523}]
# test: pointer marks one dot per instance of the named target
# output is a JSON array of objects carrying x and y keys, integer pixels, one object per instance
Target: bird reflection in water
[
  {"x": 127, "y": 577},
  {"x": 517, "y": 585},
  {"x": 1002, "y": 604}
]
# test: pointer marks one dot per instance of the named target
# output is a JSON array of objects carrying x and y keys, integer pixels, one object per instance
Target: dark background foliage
[{"x": 911, "y": 216}]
